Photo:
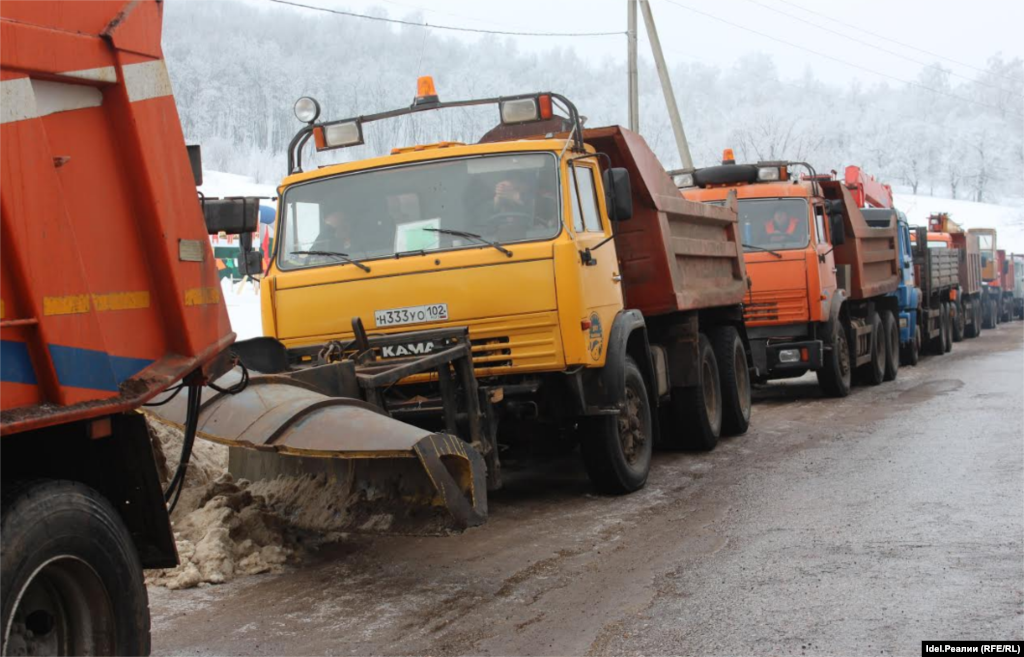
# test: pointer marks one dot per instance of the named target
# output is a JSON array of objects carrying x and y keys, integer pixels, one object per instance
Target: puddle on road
[{"x": 928, "y": 390}]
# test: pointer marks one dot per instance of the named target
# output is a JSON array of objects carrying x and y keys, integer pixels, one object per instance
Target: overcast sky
[{"x": 967, "y": 32}]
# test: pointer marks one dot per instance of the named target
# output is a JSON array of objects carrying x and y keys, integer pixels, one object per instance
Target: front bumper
[{"x": 782, "y": 359}]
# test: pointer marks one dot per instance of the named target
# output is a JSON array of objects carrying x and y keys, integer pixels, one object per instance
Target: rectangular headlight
[
  {"x": 767, "y": 174},
  {"x": 683, "y": 180},
  {"x": 338, "y": 135},
  {"x": 789, "y": 356},
  {"x": 520, "y": 110}
]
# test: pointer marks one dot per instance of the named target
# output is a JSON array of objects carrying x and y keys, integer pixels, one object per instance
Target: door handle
[{"x": 616, "y": 278}]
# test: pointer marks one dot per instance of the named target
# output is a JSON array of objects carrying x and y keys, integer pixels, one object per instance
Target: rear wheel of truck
[
  {"x": 947, "y": 314},
  {"x": 71, "y": 578},
  {"x": 988, "y": 312},
  {"x": 957, "y": 321},
  {"x": 835, "y": 374},
  {"x": 617, "y": 448},
  {"x": 696, "y": 411},
  {"x": 970, "y": 319},
  {"x": 892, "y": 345},
  {"x": 734, "y": 377},
  {"x": 872, "y": 373},
  {"x": 937, "y": 345},
  {"x": 914, "y": 348}
]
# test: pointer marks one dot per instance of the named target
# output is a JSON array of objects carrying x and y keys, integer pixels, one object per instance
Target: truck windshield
[
  {"x": 776, "y": 224},
  {"x": 420, "y": 207}
]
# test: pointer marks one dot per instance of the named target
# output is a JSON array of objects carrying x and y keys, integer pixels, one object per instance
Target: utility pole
[
  {"x": 634, "y": 87},
  {"x": 666, "y": 86}
]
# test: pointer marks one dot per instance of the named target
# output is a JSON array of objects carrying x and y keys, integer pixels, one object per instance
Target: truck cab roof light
[
  {"x": 728, "y": 157},
  {"x": 521, "y": 110},
  {"x": 684, "y": 180},
  {"x": 768, "y": 174},
  {"x": 307, "y": 109},
  {"x": 426, "y": 94},
  {"x": 338, "y": 135}
]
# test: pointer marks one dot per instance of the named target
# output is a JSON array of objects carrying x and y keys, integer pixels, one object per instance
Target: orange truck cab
[{"x": 818, "y": 272}]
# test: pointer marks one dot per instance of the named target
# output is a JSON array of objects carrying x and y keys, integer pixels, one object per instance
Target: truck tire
[
  {"x": 978, "y": 317},
  {"x": 734, "y": 376},
  {"x": 970, "y": 319},
  {"x": 947, "y": 314},
  {"x": 835, "y": 375},
  {"x": 892, "y": 345},
  {"x": 872, "y": 373},
  {"x": 72, "y": 582},
  {"x": 1007, "y": 314},
  {"x": 937, "y": 345},
  {"x": 958, "y": 321},
  {"x": 989, "y": 314},
  {"x": 697, "y": 410},
  {"x": 616, "y": 449},
  {"x": 914, "y": 348}
]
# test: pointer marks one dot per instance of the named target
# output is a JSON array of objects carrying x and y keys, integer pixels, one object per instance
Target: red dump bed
[
  {"x": 675, "y": 254},
  {"x": 108, "y": 285}
]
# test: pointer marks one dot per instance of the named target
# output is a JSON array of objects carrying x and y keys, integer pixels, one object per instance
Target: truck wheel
[
  {"x": 617, "y": 448},
  {"x": 947, "y": 314},
  {"x": 72, "y": 582},
  {"x": 988, "y": 314},
  {"x": 872, "y": 373},
  {"x": 892, "y": 346},
  {"x": 734, "y": 376},
  {"x": 1007, "y": 314},
  {"x": 697, "y": 410},
  {"x": 958, "y": 321},
  {"x": 914, "y": 349},
  {"x": 834, "y": 376},
  {"x": 970, "y": 319}
]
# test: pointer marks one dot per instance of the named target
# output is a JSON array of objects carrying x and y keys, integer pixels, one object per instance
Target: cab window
[
  {"x": 584, "y": 196},
  {"x": 819, "y": 222}
]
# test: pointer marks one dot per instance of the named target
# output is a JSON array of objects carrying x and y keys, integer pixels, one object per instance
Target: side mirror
[
  {"x": 836, "y": 228},
  {"x": 1006, "y": 266},
  {"x": 618, "y": 194},
  {"x": 233, "y": 216}
]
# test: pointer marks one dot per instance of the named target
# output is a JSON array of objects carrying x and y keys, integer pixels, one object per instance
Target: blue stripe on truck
[
  {"x": 15, "y": 363},
  {"x": 76, "y": 367}
]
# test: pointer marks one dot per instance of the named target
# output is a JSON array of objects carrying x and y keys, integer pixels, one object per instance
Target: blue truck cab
[{"x": 907, "y": 294}]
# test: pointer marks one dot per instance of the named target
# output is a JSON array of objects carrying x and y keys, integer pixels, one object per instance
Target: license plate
[{"x": 435, "y": 312}]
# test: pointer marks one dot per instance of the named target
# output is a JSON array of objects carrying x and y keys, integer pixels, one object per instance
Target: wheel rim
[
  {"x": 632, "y": 436},
  {"x": 844, "y": 355},
  {"x": 63, "y": 609}
]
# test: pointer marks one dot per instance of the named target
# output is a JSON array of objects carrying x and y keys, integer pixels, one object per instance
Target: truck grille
[
  {"x": 776, "y": 307},
  {"x": 525, "y": 343}
]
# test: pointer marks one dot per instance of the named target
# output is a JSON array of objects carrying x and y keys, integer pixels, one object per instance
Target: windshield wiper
[
  {"x": 472, "y": 236},
  {"x": 336, "y": 254},
  {"x": 761, "y": 248}
]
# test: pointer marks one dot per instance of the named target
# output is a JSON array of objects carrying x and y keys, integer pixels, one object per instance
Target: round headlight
[{"x": 307, "y": 109}]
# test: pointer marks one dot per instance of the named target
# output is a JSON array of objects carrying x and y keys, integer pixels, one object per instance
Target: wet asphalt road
[{"x": 852, "y": 527}]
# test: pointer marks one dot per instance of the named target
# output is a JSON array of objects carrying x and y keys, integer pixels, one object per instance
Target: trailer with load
[
  {"x": 109, "y": 301},
  {"x": 821, "y": 277},
  {"x": 602, "y": 309},
  {"x": 937, "y": 272},
  {"x": 969, "y": 300}
]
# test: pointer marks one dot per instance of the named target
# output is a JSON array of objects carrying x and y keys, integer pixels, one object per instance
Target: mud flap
[{"x": 393, "y": 477}]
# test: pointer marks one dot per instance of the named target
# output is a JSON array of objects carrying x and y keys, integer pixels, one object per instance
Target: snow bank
[
  {"x": 218, "y": 183},
  {"x": 1007, "y": 219}
]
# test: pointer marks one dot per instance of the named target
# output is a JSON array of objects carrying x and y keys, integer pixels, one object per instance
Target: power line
[
  {"x": 453, "y": 28},
  {"x": 885, "y": 38},
  {"x": 842, "y": 61},
  {"x": 871, "y": 45}
]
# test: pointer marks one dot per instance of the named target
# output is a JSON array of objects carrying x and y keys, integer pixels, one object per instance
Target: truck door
[
  {"x": 826, "y": 259},
  {"x": 599, "y": 276}
]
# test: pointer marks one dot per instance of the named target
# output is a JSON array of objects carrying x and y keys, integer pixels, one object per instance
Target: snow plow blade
[{"x": 392, "y": 477}]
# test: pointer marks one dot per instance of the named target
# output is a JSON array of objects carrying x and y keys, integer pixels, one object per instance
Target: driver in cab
[
  {"x": 782, "y": 230},
  {"x": 520, "y": 212}
]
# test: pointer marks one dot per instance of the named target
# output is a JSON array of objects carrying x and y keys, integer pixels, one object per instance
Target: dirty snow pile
[{"x": 226, "y": 528}]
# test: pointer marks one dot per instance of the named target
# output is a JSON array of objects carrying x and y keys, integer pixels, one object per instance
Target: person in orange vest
[{"x": 782, "y": 228}]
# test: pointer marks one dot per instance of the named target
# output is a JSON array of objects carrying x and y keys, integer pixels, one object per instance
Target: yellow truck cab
[{"x": 510, "y": 243}]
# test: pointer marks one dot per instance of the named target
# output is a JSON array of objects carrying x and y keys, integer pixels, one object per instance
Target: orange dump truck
[
  {"x": 966, "y": 306},
  {"x": 820, "y": 275},
  {"x": 997, "y": 283},
  {"x": 109, "y": 296}
]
